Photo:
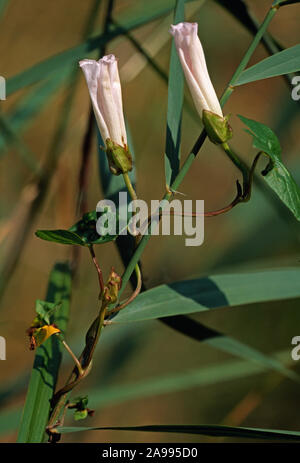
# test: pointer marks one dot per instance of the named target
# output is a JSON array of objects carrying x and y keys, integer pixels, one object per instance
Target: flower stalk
[
  {"x": 239, "y": 164},
  {"x": 69, "y": 350}
]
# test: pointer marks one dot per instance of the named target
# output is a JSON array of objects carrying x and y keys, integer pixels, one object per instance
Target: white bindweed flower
[
  {"x": 193, "y": 63},
  {"x": 104, "y": 86}
]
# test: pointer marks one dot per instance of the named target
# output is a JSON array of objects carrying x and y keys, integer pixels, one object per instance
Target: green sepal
[
  {"x": 119, "y": 158},
  {"x": 79, "y": 404},
  {"x": 217, "y": 128},
  {"x": 80, "y": 414}
]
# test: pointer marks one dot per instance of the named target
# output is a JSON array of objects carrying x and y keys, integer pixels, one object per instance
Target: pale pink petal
[
  {"x": 116, "y": 92},
  {"x": 193, "y": 63},
  {"x": 195, "y": 89},
  {"x": 105, "y": 90},
  {"x": 107, "y": 104},
  {"x": 91, "y": 70}
]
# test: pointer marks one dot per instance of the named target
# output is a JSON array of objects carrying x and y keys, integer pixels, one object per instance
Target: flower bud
[
  {"x": 119, "y": 158},
  {"x": 112, "y": 287},
  {"x": 217, "y": 127},
  {"x": 104, "y": 86},
  {"x": 193, "y": 63}
]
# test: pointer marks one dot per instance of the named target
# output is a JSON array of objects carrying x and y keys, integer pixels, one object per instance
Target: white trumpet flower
[
  {"x": 104, "y": 86},
  {"x": 193, "y": 63}
]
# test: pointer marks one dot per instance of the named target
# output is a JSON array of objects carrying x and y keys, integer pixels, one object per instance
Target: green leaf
[
  {"x": 276, "y": 174},
  {"x": 241, "y": 12},
  {"x": 218, "y": 291},
  {"x": 47, "y": 361},
  {"x": 86, "y": 228},
  {"x": 80, "y": 402},
  {"x": 283, "y": 62},
  {"x": 83, "y": 232},
  {"x": 264, "y": 138},
  {"x": 60, "y": 236},
  {"x": 235, "y": 347},
  {"x": 206, "y": 430},
  {"x": 281, "y": 181},
  {"x": 45, "y": 310},
  {"x": 80, "y": 405},
  {"x": 175, "y": 103}
]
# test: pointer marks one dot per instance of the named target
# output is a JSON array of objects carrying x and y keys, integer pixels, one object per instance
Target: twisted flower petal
[
  {"x": 104, "y": 86},
  {"x": 193, "y": 63}
]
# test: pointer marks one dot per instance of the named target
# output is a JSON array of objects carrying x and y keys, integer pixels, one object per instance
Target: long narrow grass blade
[
  {"x": 206, "y": 430},
  {"x": 193, "y": 296},
  {"x": 283, "y": 62},
  {"x": 217, "y": 291},
  {"x": 47, "y": 361},
  {"x": 175, "y": 103}
]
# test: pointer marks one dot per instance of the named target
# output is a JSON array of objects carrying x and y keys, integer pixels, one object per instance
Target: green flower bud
[{"x": 217, "y": 127}]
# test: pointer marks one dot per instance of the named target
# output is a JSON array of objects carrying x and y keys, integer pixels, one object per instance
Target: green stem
[
  {"x": 238, "y": 162},
  {"x": 247, "y": 194},
  {"x": 69, "y": 350},
  {"x": 74, "y": 379},
  {"x": 129, "y": 186},
  {"x": 133, "y": 196},
  {"x": 270, "y": 15},
  {"x": 196, "y": 148},
  {"x": 133, "y": 295}
]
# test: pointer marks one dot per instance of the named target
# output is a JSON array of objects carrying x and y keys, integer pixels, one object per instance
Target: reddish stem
[{"x": 99, "y": 271}]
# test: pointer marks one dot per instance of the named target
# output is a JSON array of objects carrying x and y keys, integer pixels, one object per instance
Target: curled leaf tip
[{"x": 38, "y": 335}]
